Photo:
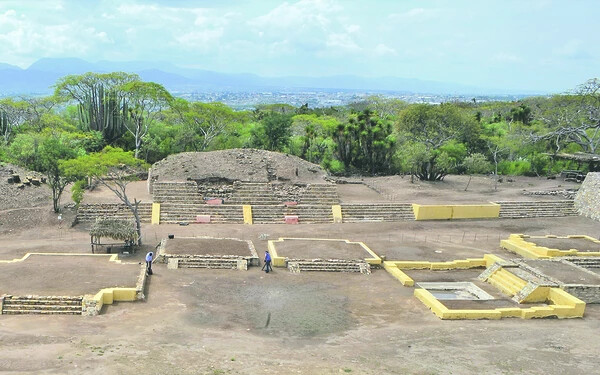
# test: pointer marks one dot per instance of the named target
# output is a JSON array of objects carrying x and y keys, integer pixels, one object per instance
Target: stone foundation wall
[
  {"x": 586, "y": 293},
  {"x": 587, "y": 200}
]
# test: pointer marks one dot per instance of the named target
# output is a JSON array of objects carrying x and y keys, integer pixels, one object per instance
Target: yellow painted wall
[
  {"x": 463, "y": 211},
  {"x": 155, "y": 213},
  {"x": 336, "y": 209},
  {"x": 247, "y": 214}
]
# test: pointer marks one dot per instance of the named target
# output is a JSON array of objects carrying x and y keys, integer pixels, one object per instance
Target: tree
[
  {"x": 573, "y": 118},
  {"x": 114, "y": 169},
  {"x": 102, "y": 105},
  {"x": 273, "y": 132},
  {"x": 476, "y": 164},
  {"x": 43, "y": 152},
  {"x": 145, "y": 102},
  {"x": 204, "y": 122},
  {"x": 13, "y": 113},
  {"x": 433, "y": 127}
]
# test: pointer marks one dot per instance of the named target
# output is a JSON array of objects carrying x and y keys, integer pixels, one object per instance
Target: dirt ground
[
  {"x": 65, "y": 275},
  {"x": 207, "y": 246},
  {"x": 249, "y": 322},
  {"x": 580, "y": 244},
  {"x": 299, "y": 249}
]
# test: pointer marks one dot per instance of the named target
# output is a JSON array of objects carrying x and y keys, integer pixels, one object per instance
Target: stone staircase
[
  {"x": 171, "y": 213},
  {"x": 212, "y": 262},
  {"x": 585, "y": 262},
  {"x": 320, "y": 194},
  {"x": 253, "y": 193},
  {"x": 330, "y": 265},
  {"x": 530, "y": 209},
  {"x": 503, "y": 280},
  {"x": 54, "y": 305},
  {"x": 90, "y": 212},
  {"x": 176, "y": 192},
  {"x": 307, "y": 214},
  {"x": 365, "y": 212}
]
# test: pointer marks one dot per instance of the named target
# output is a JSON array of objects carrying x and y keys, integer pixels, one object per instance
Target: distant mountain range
[{"x": 41, "y": 75}]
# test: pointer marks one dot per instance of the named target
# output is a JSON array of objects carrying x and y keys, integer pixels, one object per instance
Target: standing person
[
  {"x": 149, "y": 262},
  {"x": 267, "y": 267}
]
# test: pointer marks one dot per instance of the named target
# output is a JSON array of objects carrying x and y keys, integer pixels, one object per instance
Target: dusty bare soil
[
  {"x": 217, "y": 321},
  {"x": 580, "y": 244},
  {"x": 65, "y": 275},
  {"x": 206, "y": 246},
  {"x": 306, "y": 249},
  {"x": 452, "y": 189}
]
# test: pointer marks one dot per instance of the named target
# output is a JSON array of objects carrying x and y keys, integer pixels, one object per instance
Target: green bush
[
  {"x": 514, "y": 168},
  {"x": 77, "y": 191}
]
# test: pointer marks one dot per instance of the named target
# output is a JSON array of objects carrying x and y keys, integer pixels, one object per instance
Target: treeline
[{"x": 376, "y": 136}]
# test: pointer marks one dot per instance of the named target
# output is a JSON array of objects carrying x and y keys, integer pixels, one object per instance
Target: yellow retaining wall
[
  {"x": 563, "y": 305},
  {"x": 155, "y": 213},
  {"x": 518, "y": 243},
  {"x": 109, "y": 295},
  {"x": 460, "y": 211},
  {"x": 395, "y": 267},
  {"x": 336, "y": 209},
  {"x": 247, "y": 214}
]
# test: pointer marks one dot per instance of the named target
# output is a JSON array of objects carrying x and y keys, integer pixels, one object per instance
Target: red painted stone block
[
  {"x": 291, "y": 219},
  {"x": 202, "y": 219}
]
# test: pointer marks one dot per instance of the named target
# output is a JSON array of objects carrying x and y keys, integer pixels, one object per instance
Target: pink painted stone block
[
  {"x": 291, "y": 219},
  {"x": 290, "y": 203},
  {"x": 216, "y": 201},
  {"x": 202, "y": 219}
]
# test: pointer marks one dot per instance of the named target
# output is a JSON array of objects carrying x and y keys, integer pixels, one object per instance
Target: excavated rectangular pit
[
  {"x": 320, "y": 249},
  {"x": 456, "y": 291},
  {"x": 190, "y": 246}
]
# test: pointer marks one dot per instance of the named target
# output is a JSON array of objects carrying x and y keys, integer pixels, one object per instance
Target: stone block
[
  {"x": 202, "y": 219},
  {"x": 173, "y": 264},
  {"x": 291, "y": 219},
  {"x": 214, "y": 202}
]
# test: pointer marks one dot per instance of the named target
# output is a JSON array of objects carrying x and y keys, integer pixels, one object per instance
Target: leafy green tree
[
  {"x": 203, "y": 123},
  {"x": 273, "y": 132},
  {"x": 433, "y": 127},
  {"x": 145, "y": 102},
  {"x": 43, "y": 152},
  {"x": 112, "y": 168},
  {"x": 13, "y": 113},
  {"x": 476, "y": 164}
]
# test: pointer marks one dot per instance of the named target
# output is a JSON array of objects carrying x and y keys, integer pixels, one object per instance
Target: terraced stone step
[
  {"x": 41, "y": 312},
  {"x": 62, "y": 307},
  {"x": 328, "y": 266}
]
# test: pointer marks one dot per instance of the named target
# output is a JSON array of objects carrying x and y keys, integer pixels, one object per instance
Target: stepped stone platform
[
  {"x": 176, "y": 192},
  {"x": 87, "y": 213},
  {"x": 313, "y": 254},
  {"x": 60, "y": 281},
  {"x": 172, "y": 213},
  {"x": 207, "y": 252},
  {"x": 320, "y": 194},
  {"x": 253, "y": 193},
  {"x": 531, "y": 209}
]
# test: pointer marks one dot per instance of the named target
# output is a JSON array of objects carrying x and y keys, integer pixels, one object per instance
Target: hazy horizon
[{"x": 545, "y": 46}]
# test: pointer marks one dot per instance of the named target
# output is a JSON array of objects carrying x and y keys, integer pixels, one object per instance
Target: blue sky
[{"x": 528, "y": 44}]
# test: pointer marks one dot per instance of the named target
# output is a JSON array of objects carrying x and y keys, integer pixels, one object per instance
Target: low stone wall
[
  {"x": 587, "y": 200},
  {"x": 587, "y": 293}
]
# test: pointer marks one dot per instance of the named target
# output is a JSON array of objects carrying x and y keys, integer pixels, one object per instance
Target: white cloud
[{"x": 383, "y": 50}]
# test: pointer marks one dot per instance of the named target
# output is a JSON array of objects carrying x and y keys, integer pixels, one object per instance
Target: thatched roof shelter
[{"x": 122, "y": 230}]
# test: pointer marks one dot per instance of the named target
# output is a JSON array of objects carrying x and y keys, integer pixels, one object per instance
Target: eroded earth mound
[{"x": 247, "y": 165}]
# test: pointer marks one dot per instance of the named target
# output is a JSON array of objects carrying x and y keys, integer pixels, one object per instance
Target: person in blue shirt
[
  {"x": 267, "y": 266},
  {"x": 149, "y": 262}
]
